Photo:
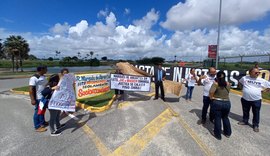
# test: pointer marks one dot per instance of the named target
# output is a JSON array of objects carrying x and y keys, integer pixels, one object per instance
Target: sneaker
[
  {"x": 56, "y": 133},
  {"x": 242, "y": 123},
  {"x": 61, "y": 126},
  {"x": 256, "y": 129},
  {"x": 41, "y": 129}
]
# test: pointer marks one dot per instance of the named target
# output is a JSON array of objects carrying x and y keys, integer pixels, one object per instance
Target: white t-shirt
[
  {"x": 39, "y": 83},
  {"x": 191, "y": 79},
  {"x": 207, "y": 82},
  {"x": 252, "y": 87}
]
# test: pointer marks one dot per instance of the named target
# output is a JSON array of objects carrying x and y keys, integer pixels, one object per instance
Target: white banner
[
  {"x": 64, "y": 98},
  {"x": 90, "y": 85},
  {"x": 130, "y": 83}
]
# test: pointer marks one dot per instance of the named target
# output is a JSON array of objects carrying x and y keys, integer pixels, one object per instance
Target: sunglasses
[{"x": 257, "y": 72}]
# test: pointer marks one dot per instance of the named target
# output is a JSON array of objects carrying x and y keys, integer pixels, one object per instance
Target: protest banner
[
  {"x": 130, "y": 82},
  {"x": 64, "y": 98},
  {"x": 178, "y": 73},
  {"x": 90, "y": 85}
]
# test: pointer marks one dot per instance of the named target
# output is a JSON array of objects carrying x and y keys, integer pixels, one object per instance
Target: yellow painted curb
[
  {"x": 19, "y": 92},
  {"x": 96, "y": 109},
  {"x": 81, "y": 105},
  {"x": 240, "y": 93}
]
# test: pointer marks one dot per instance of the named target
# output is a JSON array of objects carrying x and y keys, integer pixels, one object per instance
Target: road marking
[
  {"x": 103, "y": 150},
  {"x": 194, "y": 136},
  {"x": 124, "y": 104},
  {"x": 138, "y": 142}
]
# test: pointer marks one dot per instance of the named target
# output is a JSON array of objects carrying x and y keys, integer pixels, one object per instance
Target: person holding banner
[
  {"x": 36, "y": 84},
  {"x": 191, "y": 79},
  {"x": 54, "y": 114},
  {"x": 159, "y": 75},
  {"x": 252, "y": 86},
  {"x": 207, "y": 81},
  {"x": 119, "y": 93}
]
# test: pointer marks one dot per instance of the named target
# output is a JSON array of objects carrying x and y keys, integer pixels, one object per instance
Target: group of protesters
[
  {"x": 40, "y": 92},
  {"x": 216, "y": 96}
]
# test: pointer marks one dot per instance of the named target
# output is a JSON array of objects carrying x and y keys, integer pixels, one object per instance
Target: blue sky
[{"x": 134, "y": 29}]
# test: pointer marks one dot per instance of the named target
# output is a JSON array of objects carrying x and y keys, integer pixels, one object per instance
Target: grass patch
[
  {"x": 24, "y": 88},
  {"x": 97, "y": 101}
]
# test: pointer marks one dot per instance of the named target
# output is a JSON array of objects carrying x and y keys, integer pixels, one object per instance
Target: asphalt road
[{"x": 140, "y": 126}]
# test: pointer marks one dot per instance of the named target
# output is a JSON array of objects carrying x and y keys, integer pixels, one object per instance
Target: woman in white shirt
[{"x": 191, "y": 79}]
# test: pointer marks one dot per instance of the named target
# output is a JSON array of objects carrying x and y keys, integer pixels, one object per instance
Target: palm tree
[
  {"x": 79, "y": 54},
  {"x": 2, "y": 55},
  {"x": 91, "y": 53},
  {"x": 57, "y": 53},
  {"x": 16, "y": 48}
]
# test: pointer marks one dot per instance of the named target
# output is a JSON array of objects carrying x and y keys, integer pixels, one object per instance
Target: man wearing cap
[
  {"x": 159, "y": 75},
  {"x": 36, "y": 85},
  {"x": 252, "y": 96}
]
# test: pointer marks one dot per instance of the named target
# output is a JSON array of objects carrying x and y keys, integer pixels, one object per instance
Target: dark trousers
[
  {"x": 189, "y": 92},
  {"x": 206, "y": 103},
  {"x": 159, "y": 84},
  {"x": 54, "y": 119},
  {"x": 256, "y": 107},
  {"x": 221, "y": 110}
]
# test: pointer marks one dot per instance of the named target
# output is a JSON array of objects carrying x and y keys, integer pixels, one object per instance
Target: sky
[{"x": 134, "y": 29}]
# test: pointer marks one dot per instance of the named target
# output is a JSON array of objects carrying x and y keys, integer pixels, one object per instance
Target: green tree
[
  {"x": 91, "y": 54},
  {"x": 32, "y": 57},
  {"x": 104, "y": 58},
  {"x": 50, "y": 59},
  {"x": 156, "y": 60},
  {"x": 2, "y": 54},
  {"x": 16, "y": 48}
]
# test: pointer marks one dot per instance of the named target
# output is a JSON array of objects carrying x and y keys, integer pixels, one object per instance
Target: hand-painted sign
[
  {"x": 90, "y": 85},
  {"x": 64, "y": 98},
  {"x": 130, "y": 83}
]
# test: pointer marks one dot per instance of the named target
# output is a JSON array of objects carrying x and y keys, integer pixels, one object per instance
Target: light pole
[{"x": 219, "y": 19}]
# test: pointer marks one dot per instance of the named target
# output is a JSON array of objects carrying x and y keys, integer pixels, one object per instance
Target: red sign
[{"x": 212, "y": 51}]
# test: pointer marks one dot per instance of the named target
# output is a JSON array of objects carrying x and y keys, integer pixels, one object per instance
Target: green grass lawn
[{"x": 97, "y": 101}]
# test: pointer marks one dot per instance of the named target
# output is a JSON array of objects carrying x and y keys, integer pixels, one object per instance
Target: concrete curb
[
  {"x": 96, "y": 109},
  {"x": 19, "y": 92},
  {"x": 80, "y": 105}
]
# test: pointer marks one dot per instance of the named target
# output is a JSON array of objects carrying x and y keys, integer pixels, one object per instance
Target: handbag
[{"x": 186, "y": 84}]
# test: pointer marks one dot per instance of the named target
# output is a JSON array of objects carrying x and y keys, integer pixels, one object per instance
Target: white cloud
[
  {"x": 60, "y": 29},
  {"x": 79, "y": 28},
  {"x": 138, "y": 40},
  {"x": 195, "y": 14},
  {"x": 149, "y": 20},
  {"x": 127, "y": 11},
  {"x": 103, "y": 13}
]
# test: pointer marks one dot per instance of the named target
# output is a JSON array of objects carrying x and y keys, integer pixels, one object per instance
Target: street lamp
[{"x": 219, "y": 19}]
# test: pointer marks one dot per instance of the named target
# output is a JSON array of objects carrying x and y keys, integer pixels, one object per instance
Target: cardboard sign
[
  {"x": 130, "y": 82},
  {"x": 64, "y": 98},
  {"x": 90, "y": 85}
]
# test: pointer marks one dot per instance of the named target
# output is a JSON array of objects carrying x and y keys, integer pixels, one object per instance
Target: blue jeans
[
  {"x": 256, "y": 107},
  {"x": 189, "y": 92},
  {"x": 39, "y": 120},
  {"x": 221, "y": 110},
  {"x": 206, "y": 103}
]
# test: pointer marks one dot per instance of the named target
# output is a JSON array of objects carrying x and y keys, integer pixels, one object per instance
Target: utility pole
[{"x": 219, "y": 19}]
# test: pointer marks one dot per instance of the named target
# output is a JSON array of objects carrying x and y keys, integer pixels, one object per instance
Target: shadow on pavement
[
  {"x": 136, "y": 97},
  {"x": 208, "y": 125},
  {"x": 78, "y": 123}
]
